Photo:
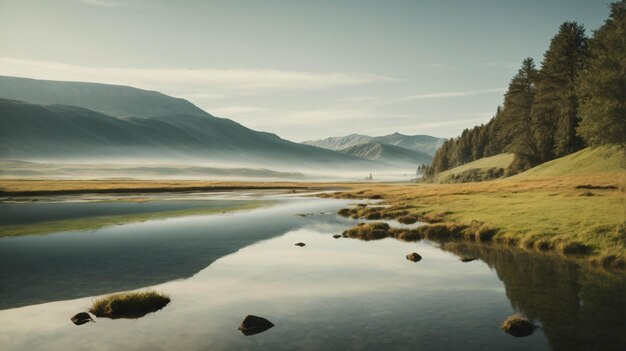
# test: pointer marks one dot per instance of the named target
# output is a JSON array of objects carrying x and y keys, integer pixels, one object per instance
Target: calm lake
[{"x": 223, "y": 256}]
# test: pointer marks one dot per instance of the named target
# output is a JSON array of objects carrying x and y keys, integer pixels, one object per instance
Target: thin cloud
[
  {"x": 451, "y": 94},
  {"x": 187, "y": 80},
  {"x": 103, "y": 3}
]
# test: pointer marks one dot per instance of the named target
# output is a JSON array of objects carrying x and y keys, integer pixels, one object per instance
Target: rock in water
[
  {"x": 300, "y": 244},
  {"x": 81, "y": 318},
  {"x": 336, "y": 236},
  {"x": 467, "y": 259},
  {"x": 415, "y": 257},
  {"x": 254, "y": 325},
  {"x": 518, "y": 326}
]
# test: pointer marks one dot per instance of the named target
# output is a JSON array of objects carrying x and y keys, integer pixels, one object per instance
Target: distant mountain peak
[{"x": 421, "y": 143}]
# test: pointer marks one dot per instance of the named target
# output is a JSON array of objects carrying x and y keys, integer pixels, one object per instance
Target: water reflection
[
  {"x": 332, "y": 294},
  {"x": 579, "y": 308},
  {"x": 76, "y": 264}
]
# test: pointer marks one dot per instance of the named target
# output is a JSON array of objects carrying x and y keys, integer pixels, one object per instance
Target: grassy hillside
[
  {"x": 575, "y": 206},
  {"x": 480, "y": 167},
  {"x": 607, "y": 159}
]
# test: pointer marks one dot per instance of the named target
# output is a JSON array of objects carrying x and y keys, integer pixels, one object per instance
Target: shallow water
[{"x": 332, "y": 294}]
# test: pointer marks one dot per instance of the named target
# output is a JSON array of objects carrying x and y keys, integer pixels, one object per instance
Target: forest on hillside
[{"x": 577, "y": 98}]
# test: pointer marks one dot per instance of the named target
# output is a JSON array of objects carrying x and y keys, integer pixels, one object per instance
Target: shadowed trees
[{"x": 577, "y": 98}]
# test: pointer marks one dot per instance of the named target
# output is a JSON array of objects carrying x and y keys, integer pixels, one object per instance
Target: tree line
[{"x": 576, "y": 99}]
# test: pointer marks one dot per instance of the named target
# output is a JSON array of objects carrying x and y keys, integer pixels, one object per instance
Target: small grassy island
[{"x": 129, "y": 305}]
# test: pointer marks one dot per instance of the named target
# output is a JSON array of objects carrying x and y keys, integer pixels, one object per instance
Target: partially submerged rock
[
  {"x": 336, "y": 236},
  {"x": 467, "y": 259},
  {"x": 518, "y": 326},
  {"x": 129, "y": 305},
  {"x": 414, "y": 257},
  {"x": 300, "y": 244},
  {"x": 81, "y": 318},
  {"x": 254, "y": 325}
]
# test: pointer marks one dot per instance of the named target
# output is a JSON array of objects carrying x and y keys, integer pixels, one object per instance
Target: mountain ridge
[{"x": 422, "y": 143}]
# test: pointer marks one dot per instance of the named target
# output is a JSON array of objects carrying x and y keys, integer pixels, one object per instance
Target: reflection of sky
[{"x": 330, "y": 294}]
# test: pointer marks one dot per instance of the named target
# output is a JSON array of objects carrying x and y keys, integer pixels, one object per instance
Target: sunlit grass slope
[
  {"x": 608, "y": 159},
  {"x": 482, "y": 165},
  {"x": 573, "y": 205}
]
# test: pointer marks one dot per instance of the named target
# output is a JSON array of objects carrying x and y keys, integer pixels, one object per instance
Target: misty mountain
[
  {"x": 42, "y": 119},
  {"x": 113, "y": 100},
  {"x": 421, "y": 143},
  {"x": 16, "y": 169},
  {"x": 62, "y": 132},
  {"x": 389, "y": 154}
]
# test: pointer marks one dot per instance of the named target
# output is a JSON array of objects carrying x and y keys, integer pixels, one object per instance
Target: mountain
[
  {"x": 422, "y": 143},
  {"x": 339, "y": 143},
  {"x": 389, "y": 154},
  {"x": 68, "y": 121},
  {"x": 113, "y": 100},
  {"x": 62, "y": 132}
]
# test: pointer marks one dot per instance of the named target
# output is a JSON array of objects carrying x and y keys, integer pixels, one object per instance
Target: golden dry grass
[{"x": 545, "y": 213}]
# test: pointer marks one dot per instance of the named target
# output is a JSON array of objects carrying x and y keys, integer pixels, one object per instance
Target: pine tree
[
  {"x": 602, "y": 85},
  {"x": 518, "y": 103},
  {"x": 554, "y": 118}
]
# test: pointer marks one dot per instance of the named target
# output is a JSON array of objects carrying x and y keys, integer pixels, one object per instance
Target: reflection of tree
[{"x": 579, "y": 308}]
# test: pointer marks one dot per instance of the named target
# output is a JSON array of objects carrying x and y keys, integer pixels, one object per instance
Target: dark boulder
[
  {"x": 81, "y": 318},
  {"x": 518, "y": 326},
  {"x": 254, "y": 325},
  {"x": 300, "y": 244},
  {"x": 414, "y": 257},
  {"x": 467, "y": 259},
  {"x": 337, "y": 236}
]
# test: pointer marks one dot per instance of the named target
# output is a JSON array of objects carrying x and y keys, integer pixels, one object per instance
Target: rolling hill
[
  {"x": 476, "y": 170},
  {"x": 588, "y": 161}
]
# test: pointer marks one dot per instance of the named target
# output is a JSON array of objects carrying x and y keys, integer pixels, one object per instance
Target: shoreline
[
  {"x": 35, "y": 187},
  {"x": 580, "y": 216}
]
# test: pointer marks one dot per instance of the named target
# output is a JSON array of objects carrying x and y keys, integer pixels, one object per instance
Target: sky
[{"x": 301, "y": 69}]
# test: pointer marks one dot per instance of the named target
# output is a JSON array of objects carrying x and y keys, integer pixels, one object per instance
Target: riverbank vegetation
[{"x": 583, "y": 214}]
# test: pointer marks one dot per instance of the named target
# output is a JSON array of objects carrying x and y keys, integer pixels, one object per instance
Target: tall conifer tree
[
  {"x": 554, "y": 115},
  {"x": 518, "y": 103},
  {"x": 602, "y": 85}
]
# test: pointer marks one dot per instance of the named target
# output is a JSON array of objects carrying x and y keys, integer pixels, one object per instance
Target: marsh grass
[
  {"x": 534, "y": 209},
  {"x": 129, "y": 305}
]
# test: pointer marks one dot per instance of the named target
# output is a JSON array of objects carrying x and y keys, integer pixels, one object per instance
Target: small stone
[
  {"x": 467, "y": 259},
  {"x": 300, "y": 244},
  {"x": 518, "y": 326},
  {"x": 414, "y": 257},
  {"x": 81, "y": 318},
  {"x": 254, "y": 325},
  {"x": 336, "y": 236}
]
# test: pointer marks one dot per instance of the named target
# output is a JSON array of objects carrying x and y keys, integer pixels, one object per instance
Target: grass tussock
[
  {"x": 129, "y": 305},
  {"x": 435, "y": 232},
  {"x": 368, "y": 231}
]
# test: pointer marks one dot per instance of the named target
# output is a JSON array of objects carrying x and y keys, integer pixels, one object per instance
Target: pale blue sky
[{"x": 301, "y": 69}]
